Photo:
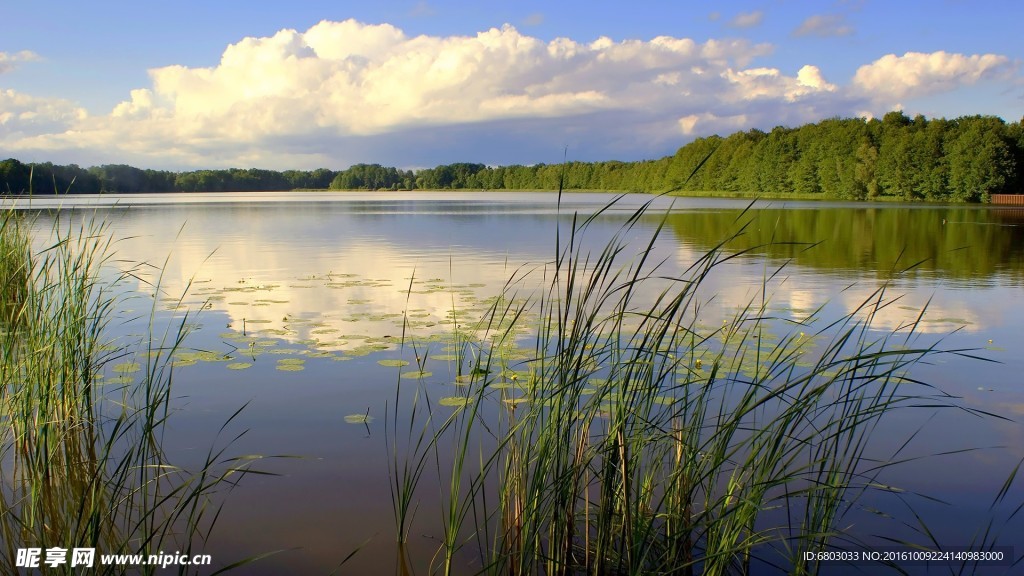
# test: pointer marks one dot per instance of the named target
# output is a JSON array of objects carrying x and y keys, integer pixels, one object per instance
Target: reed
[
  {"x": 15, "y": 264},
  {"x": 80, "y": 456},
  {"x": 636, "y": 441}
]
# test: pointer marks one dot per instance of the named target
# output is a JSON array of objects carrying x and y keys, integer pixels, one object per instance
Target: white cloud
[
  {"x": 824, "y": 25},
  {"x": 810, "y": 78},
  {"x": 708, "y": 123},
  {"x": 770, "y": 83},
  {"x": 25, "y": 116},
  {"x": 921, "y": 74},
  {"x": 9, "y": 61},
  {"x": 346, "y": 80},
  {"x": 346, "y": 92},
  {"x": 747, "y": 19}
]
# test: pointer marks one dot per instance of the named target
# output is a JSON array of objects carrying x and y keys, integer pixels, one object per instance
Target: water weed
[
  {"x": 632, "y": 438},
  {"x": 81, "y": 457}
]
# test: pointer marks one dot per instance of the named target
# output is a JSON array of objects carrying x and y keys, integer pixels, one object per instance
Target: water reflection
[
  {"x": 927, "y": 244},
  {"x": 347, "y": 276}
]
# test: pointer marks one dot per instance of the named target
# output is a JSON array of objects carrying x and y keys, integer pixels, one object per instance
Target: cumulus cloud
[
  {"x": 23, "y": 116},
  {"x": 770, "y": 83},
  {"x": 346, "y": 92},
  {"x": 340, "y": 81},
  {"x": 824, "y": 25},
  {"x": 9, "y": 61},
  {"x": 921, "y": 74},
  {"x": 747, "y": 19}
]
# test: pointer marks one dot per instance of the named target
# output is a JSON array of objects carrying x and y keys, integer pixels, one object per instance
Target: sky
[{"x": 306, "y": 84}]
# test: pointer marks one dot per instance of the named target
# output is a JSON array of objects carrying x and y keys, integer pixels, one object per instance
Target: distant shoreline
[{"x": 710, "y": 194}]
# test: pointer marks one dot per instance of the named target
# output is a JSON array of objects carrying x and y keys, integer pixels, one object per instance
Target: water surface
[{"x": 332, "y": 282}]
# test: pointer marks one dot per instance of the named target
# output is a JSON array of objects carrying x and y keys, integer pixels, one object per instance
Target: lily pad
[
  {"x": 127, "y": 367},
  {"x": 456, "y": 401},
  {"x": 358, "y": 419},
  {"x": 416, "y": 374},
  {"x": 283, "y": 351},
  {"x": 393, "y": 362},
  {"x": 239, "y": 366}
]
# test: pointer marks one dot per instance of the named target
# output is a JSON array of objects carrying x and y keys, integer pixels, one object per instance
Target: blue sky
[{"x": 307, "y": 84}]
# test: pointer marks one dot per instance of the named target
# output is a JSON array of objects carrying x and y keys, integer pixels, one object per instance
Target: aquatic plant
[
  {"x": 634, "y": 440},
  {"x": 81, "y": 457},
  {"x": 15, "y": 264}
]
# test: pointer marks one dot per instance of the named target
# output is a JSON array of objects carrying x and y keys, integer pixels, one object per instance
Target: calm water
[{"x": 325, "y": 279}]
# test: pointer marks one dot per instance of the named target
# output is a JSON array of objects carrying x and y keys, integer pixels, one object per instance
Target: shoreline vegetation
[
  {"x": 621, "y": 435},
  {"x": 84, "y": 415},
  {"x": 595, "y": 429},
  {"x": 967, "y": 159}
]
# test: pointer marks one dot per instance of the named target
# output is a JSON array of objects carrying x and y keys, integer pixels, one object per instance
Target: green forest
[{"x": 896, "y": 157}]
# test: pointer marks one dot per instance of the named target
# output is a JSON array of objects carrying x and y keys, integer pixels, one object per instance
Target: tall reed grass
[
  {"x": 634, "y": 440},
  {"x": 80, "y": 456},
  {"x": 15, "y": 264}
]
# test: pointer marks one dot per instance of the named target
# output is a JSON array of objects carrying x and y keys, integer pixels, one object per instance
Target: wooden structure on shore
[{"x": 1008, "y": 199}]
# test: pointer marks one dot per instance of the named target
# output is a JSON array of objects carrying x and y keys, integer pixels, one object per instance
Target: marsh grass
[
  {"x": 15, "y": 264},
  {"x": 81, "y": 458},
  {"x": 636, "y": 441}
]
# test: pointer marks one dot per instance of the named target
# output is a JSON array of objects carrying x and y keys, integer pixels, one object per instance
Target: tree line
[{"x": 962, "y": 160}]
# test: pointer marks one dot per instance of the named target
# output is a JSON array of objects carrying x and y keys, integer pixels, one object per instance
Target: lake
[{"x": 294, "y": 299}]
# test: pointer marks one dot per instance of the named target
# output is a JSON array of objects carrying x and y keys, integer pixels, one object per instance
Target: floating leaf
[
  {"x": 416, "y": 374},
  {"x": 127, "y": 367},
  {"x": 283, "y": 351},
  {"x": 290, "y": 367},
  {"x": 239, "y": 366},
  {"x": 358, "y": 419},
  {"x": 456, "y": 401},
  {"x": 206, "y": 356},
  {"x": 393, "y": 362}
]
